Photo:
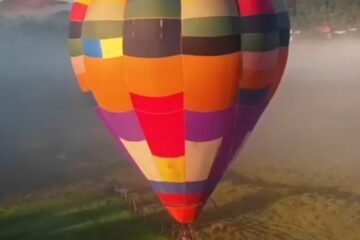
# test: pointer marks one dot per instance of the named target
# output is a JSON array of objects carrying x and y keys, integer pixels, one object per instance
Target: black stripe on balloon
[
  {"x": 284, "y": 38},
  {"x": 211, "y": 46},
  {"x": 250, "y": 97},
  {"x": 259, "y": 23},
  {"x": 75, "y": 29},
  {"x": 283, "y": 20},
  {"x": 152, "y": 38}
]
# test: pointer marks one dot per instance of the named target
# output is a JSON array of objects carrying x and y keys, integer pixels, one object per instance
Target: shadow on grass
[
  {"x": 111, "y": 218},
  {"x": 72, "y": 220}
]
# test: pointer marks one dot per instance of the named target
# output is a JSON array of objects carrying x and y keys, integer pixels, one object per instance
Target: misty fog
[
  {"x": 312, "y": 127},
  {"x": 46, "y": 127},
  {"x": 48, "y": 130}
]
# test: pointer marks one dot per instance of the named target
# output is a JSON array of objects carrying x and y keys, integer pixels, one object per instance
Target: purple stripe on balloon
[
  {"x": 180, "y": 188},
  {"x": 109, "y": 126},
  {"x": 224, "y": 154},
  {"x": 244, "y": 122},
  {"x": 125, "y": 125},
  {"x": 207, "y": 126},
  {"x": 248, "y": 116}
]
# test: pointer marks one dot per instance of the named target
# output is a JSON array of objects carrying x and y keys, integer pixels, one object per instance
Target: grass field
[
  {"x": 73, "y": 219},
  {"x": 241, "y": 209}
]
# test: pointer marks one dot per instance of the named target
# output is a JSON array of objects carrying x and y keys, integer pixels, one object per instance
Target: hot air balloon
[{"x": 180, "y": 84}]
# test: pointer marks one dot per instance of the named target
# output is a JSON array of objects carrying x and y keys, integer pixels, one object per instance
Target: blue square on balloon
[{"x": 92, "y": 48}]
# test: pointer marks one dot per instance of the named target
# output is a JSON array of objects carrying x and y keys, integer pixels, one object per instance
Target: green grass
[{"x": 73, "y": 219}]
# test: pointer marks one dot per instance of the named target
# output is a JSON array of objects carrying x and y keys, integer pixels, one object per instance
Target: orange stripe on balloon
[
  {"x": 83, "y": 82},
  {"x": 154, "y": 77},
  {"x": 80, "y": 72},
  {"x": 255, "y": 79},
  {"x": 107, "y": 82},
  {"x": 210, "y": 83}
]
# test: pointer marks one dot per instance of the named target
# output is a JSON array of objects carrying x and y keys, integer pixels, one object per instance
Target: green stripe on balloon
[
  {"x": 210, "y": 27},
  {"x": 141, "y": 9},
  {"x": 260, "y": 42},
  {"x": 103, "y": 29},
  {"x": 76, "y": 47}
]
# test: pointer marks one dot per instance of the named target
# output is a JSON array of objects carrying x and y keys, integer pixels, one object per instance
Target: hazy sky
[
  {"x": 32, "y": 8},
  {"x": 47, "y": 130}
]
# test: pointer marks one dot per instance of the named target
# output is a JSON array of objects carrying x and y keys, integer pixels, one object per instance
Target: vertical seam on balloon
[
  {"x": 228, "y": 154},
  {"x": 183, "y": 90},
  {"x": 236, "y": 111},
  {"x": 125, "y": 20},
  {"x": 153, "y": 157},
  {"x": 211, "y": 177}
]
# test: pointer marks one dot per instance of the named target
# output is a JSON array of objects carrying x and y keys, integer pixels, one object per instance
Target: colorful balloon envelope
[{"x": 180, "y": 84}]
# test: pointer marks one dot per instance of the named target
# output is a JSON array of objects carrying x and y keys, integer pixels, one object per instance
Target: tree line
[{"x": 335, "y": 13}]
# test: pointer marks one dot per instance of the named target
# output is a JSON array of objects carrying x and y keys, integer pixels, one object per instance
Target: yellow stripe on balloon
[
  {"x": 112, "y": 47},
  {"x": 208, "y": 8},
  {"x": 106, "y": 10},
  {"x": 171, "y": 169}
]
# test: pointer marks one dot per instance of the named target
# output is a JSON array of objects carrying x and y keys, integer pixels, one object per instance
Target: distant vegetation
[
  {"x": 336, "y": 13},
  {"x": 304, "y": 14}
]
